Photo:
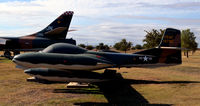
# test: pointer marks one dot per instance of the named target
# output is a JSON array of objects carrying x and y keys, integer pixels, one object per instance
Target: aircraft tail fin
[
  {"x": 171, "y": 38},
  {"x": 169, "y": 50},
  {"x": 58, "y": 28}
]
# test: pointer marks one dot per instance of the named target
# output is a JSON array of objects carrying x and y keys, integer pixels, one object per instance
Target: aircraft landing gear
[
  {"x": 109, "y": 73},
  {"x": 16, "y": 52},
  {"x": 7, "y": 54}
]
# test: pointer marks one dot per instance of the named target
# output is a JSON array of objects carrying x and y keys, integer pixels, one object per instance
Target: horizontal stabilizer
[
  {"x": 56, "y": 31},
  {"x": 3, "y": 41}
]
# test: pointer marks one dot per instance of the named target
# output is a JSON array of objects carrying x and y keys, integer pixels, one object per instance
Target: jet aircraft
[
  {"x": 53, "y": 33},
  {"x": 63, "y": 62}
]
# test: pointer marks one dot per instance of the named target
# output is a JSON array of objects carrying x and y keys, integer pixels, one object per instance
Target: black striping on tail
[{"x": 58, "y": 28}]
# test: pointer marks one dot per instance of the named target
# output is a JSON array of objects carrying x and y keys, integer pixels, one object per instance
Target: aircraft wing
[
  {"x": 101, "y": 59},
  {"x": 71, "y": 30}
]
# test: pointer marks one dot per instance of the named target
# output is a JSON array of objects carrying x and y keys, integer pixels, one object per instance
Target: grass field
[{"x": 175, "y": 85}]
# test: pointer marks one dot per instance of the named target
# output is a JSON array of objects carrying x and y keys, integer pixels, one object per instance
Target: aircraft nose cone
[
  {"x": 26, "y": 57},
  {"x": 15, "y": 58},
  {"x": 28, "y": 71}
]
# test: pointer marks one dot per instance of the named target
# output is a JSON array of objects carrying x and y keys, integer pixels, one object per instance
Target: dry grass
[{"x": 14, "y": 90}]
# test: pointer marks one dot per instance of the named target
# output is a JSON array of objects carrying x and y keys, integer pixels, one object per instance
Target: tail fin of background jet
[
  {"x": 169, "y": 50},
  {"x": 58, "y": 28}
]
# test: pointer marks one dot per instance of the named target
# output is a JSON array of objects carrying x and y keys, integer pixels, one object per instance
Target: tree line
[
  {"x": 123, "y": 45},
  {"x": 152, "y": 39}
]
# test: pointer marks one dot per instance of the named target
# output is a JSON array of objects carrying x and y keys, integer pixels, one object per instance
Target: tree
[
  {"x": 123, "y": 45},
  {"x": 188, "y": 41},
  {"x": 153, "y": 38},
  {"x": 101, "y": 46},
  {"x": 89, "y": 47},
  {"x": 117, "y": 46},
  {"x": 138, "y": 46},
  {"x": 82, "y": 45}
]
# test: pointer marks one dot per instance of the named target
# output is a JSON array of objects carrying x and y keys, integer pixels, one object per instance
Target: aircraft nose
[
  {"x": 15, "y": 58},
  {"x": 26, "y": 57},
  {"x": 28, "y": 71}
]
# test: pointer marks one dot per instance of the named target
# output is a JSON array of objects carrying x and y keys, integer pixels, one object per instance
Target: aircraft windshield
[{"x": 64, "y": 48}]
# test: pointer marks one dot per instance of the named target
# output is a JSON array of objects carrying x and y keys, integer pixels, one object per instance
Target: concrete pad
[
  {"x": 31, "y": 79},
  {"x": 77, "y": 85}
]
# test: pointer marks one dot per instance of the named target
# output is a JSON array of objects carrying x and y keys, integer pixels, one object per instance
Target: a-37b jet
[
  {"x": 53, "y": 33},
  {"x": 65, "y": 62}
]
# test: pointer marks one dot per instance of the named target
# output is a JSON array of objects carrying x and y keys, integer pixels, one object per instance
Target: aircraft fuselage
[
  {"x": 87, "y": 61},
  {"x": 30, "y": 43}
]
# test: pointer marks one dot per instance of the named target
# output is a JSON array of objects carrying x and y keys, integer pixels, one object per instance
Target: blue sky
[{"x": 97, "y": 21}]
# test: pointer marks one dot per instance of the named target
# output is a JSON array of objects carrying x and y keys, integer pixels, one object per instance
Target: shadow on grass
[
  {"x": 131, "y": 81},
  {"x": 119, "y": 92}
]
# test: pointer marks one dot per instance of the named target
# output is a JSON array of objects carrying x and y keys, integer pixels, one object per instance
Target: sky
[{"x": 97, "y": 21}]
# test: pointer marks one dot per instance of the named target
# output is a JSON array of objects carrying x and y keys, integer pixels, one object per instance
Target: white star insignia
[
  {"x": 145, "y": 58},
  {"x": 49, "y": 28}
]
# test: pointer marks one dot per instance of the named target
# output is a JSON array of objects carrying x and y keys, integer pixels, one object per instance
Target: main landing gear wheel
[
  {"x": 109, "y": 73},
  {"x": 7, "y": 54}
]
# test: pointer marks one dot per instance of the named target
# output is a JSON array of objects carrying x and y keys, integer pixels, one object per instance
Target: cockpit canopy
[{"x": 64, "y": 48}]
